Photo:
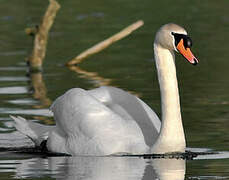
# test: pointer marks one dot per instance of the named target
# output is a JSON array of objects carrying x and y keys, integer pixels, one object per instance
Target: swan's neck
[{"x": 171, "y": 137}]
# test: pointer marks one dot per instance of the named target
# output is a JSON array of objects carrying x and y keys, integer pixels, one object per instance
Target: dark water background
[{"x": 127, "y": 64}]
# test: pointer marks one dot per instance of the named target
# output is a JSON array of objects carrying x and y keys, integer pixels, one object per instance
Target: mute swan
[{"x": 108, "y": 120}]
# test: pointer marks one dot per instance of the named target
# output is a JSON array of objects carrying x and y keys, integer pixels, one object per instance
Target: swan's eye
[{"x": 187, "y": 40}]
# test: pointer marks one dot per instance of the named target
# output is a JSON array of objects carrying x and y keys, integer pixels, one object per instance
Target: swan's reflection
[
  {"x": 98, "y": 168},
  {"x": 166, "y": 169}
]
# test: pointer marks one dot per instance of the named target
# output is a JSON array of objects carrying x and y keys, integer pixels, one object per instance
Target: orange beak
[{"x": 186, "y": 52}]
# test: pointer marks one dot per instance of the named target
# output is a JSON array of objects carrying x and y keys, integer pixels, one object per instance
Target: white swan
[{"x": 108, "y": 120}]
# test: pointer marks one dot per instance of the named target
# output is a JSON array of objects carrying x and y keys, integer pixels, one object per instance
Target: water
[
  {"x": 127, "y": 64},
  {"x": 114, "y": 168}
]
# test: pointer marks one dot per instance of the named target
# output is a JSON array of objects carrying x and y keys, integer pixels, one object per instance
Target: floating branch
[
  {"x": 41, "y": 36},
  {"x": 104, "y": 44}
]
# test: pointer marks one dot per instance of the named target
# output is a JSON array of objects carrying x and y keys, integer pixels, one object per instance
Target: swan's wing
[
  {"x": 90, "y": 126},
  {"x": 130, "y": 107}
]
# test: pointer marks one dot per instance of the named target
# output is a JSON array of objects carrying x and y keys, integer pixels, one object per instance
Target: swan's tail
[{"x": 36, "y": 132}]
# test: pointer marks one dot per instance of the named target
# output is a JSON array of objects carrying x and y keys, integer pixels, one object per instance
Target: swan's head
[{"x": 174, "y": 37}]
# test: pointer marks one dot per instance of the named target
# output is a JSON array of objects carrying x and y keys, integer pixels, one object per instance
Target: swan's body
[{"x": 109, "y": 120}]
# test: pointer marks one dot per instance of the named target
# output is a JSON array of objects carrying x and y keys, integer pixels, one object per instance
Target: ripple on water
[
  {"x": 12, "y": 68},
  {"x": 12, "y": 53},
  {"x": 207, "y": 177},
  {"x": 216, "y": 155},
  {"x": 8, "y": 78},
  {"x": 38, "y": 112},
  {"x": 26, "y": 101},
  {"x": 14, "y": 90},
  {"x": 14, "y": 139}
]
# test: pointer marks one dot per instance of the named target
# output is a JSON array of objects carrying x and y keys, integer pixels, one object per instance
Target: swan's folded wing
[
  {"x": 91, "y": 124},
  {"x": 130, "y": 107}
]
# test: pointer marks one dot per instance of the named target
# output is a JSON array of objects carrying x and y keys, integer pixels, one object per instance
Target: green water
[{"x": 127, "y": 64}]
